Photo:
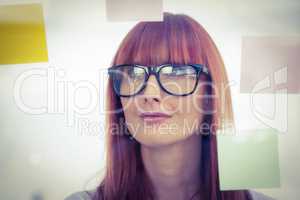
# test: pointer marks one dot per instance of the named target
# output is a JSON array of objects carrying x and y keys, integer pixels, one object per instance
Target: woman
[{"x": 161, "y": 129}]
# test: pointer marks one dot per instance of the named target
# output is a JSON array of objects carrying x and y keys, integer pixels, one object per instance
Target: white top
[{"x": 82, "y": 195}]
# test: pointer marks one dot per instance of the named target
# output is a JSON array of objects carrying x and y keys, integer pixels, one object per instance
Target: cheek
[
  {"x": 191, "y": 115},
  {"x": 190, "y": 106},
  {"x": 191, "y": 112},
  {"x": 128, "y": 109}
]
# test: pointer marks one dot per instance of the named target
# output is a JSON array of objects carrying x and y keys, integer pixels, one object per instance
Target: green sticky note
[
  {"x": 22, "y": 34},
  {"x": 248, "y": 159}
]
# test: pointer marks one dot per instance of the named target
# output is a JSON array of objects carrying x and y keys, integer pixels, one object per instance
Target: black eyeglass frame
[{"x": 199, "y": 68}]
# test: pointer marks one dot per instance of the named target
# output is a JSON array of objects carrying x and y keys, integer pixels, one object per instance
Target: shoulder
[
  {"x": 259, "y": 196},
  {"x": 81, "y": 195},
  {"x": 87, "y": 195}
]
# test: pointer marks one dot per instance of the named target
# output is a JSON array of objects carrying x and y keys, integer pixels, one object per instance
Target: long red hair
[{"x": 177, "y": 39}]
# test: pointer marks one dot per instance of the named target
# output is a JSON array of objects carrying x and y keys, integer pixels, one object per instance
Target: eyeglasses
[{"x": 179, "y": 80}]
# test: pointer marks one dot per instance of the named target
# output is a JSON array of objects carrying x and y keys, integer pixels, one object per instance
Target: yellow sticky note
[{"x": 22, "y": 34}]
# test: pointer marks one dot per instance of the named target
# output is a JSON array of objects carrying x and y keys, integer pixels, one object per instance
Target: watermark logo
[{"x": 277, "y": 116}]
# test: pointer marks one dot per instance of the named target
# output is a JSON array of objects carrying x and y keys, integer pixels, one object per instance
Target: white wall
[{"x": 50, "y": 153}]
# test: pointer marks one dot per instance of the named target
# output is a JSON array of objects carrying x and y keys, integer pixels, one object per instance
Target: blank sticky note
[
  {"x": 134, "y": 10},
  {"x": 22, "y": 34},
  {"x": 270, "y": 64},
  {"x": 248, "y": 160}
]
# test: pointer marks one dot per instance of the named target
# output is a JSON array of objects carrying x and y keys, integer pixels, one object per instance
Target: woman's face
[{"x": 185, "y": 114}]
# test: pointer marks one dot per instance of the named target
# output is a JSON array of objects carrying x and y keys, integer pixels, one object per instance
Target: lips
[{"x": 154, "y": 117}]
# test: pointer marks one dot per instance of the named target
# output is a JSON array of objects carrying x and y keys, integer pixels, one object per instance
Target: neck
[{"x": 174, "y": 169}]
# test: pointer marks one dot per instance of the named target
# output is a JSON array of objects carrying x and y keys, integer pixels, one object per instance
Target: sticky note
[
  {"x": 270, "y": 64},
  {"x": 22, "y": 34},
  {"x": 134, "y": 10},
  {"x": 248, "y": 159}
]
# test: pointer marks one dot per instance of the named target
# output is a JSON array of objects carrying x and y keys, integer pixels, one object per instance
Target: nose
[{"x": 152, "y": 90}]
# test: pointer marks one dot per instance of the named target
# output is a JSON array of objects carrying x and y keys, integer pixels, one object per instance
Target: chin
[{"x": 159, "y": 140}]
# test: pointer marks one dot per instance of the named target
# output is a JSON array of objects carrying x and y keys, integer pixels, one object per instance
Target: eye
[
  {"x": 136, "y": 73},
  {"x": 183, "y": 70}
]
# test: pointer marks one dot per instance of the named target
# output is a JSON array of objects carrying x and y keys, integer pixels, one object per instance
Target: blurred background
[{"x": 52, "y": 104}]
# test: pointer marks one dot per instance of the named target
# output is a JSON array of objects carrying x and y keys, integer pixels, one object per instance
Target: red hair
[{"x": 177, "y": 39}]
